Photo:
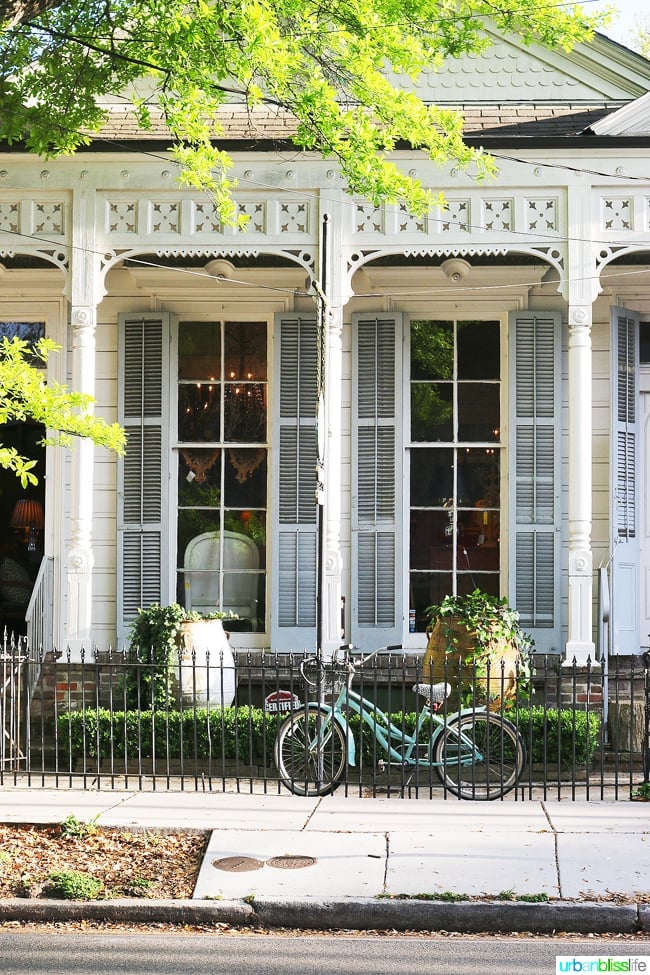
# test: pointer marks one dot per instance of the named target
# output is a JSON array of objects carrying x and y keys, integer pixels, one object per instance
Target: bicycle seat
[{"x": 434, "y": 693}]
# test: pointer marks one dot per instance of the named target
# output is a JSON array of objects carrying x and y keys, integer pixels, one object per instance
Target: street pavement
[{"x": 338, "y": 861}]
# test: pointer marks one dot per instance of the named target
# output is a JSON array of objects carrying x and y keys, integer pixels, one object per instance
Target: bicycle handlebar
[{"x": 345, "y": 660}]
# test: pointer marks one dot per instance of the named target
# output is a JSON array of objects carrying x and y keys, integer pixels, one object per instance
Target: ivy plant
[{"x": 154, "y": 646}]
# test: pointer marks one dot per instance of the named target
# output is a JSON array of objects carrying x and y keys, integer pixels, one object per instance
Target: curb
[{"x": 354, "y": 914}]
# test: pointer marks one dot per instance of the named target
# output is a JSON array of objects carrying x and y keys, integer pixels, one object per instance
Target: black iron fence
[{"x": 266, "y": 722}]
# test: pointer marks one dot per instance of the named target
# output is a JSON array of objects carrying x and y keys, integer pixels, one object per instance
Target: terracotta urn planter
[{"x": 475, "y": 644}]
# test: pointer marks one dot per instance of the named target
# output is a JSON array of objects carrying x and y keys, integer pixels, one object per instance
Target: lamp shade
[{"x": 28, "y": 513}]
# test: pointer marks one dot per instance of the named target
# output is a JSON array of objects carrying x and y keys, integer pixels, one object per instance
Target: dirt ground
[{"x": 153, "y": 863}]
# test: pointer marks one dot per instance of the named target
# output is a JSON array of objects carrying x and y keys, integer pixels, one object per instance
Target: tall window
[
  {"x": 222, "y": 469},
  {"x": 454, "y": 460}
]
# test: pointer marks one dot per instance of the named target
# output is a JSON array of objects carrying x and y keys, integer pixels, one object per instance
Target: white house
[{"x": 485, "y": 371}]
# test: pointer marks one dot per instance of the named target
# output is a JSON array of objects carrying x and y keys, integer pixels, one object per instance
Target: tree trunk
[{"x": 13, "y": 12}]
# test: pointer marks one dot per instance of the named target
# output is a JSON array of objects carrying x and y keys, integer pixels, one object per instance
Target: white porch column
[
  {"x": 332, "y": 591},
  {"x": 80, "y": 555},
  {"x": 581, "y": 290},
  {"x": 85, "y": 286},
  {"x": 580, "y": 643}
]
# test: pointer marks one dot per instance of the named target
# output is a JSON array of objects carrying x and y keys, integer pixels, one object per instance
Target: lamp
[{"x": 28, "y": 517}]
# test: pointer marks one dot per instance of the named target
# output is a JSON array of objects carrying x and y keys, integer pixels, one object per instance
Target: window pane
[
  {"x": 199, "y": 351},
  {"x": 467, "y": 582},
  {"x": 432, "y": 411},
  {"x": 478, "y": 535},
  {"x": 478, "y": 477},
  {"x": 431, "y": 540},
  {"x": 432, "y": 476},
  {"x": 198, "y": 412},
  {"x": 478, "y": 411},
  {"x": 245, "y": 477},
  {"x": 245, "y": 351},
  {"x": 425, "y": 589},
  {"x": 479, "y": 355},
  {"x": 244, "y": 418},
  {"x": 432, "y": 350},
  {"x": 199, "y": 477}
]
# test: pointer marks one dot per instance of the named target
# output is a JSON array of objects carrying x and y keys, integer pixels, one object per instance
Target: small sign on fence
[{"x": 281, "y": 701}]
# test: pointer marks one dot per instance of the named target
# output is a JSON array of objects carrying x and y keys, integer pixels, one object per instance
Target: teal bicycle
[{"x": 477, "y": 754}]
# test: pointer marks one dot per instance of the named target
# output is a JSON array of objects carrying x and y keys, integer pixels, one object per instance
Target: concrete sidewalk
[{"x": 337, "y": 861}]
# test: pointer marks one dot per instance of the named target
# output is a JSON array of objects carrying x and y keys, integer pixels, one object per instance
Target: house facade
[{"x": 343, "y": 412}]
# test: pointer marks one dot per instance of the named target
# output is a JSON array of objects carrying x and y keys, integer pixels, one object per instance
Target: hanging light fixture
[{"x": 28, "y": 517}]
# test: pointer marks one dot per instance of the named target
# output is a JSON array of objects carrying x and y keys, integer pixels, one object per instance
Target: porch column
[
  {"x": 85, "y": 286},
  {"x": 332, "y": 591},
  {"x": 580, "y": 643},
  {"x": 80, "y": 554}
]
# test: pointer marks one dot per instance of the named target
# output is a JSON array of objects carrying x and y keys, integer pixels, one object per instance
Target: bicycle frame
[{"x": 386, "y": 732}]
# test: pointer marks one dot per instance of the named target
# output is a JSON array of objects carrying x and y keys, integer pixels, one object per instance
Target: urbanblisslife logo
[{"x": 590, "y": 963}]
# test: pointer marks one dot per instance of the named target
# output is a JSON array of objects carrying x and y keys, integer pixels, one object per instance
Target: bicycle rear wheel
[
  {"x": 310, "y": 752},
  {"x": 479, "y": 756}
]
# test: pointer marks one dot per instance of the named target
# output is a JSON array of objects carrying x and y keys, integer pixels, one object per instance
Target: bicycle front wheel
[
  {"x": 479, "y": 756},
  {"x": 310, "y": 752}
]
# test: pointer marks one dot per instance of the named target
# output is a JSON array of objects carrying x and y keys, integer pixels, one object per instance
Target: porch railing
[
  {"x": 40, "y": 618},
  {"x": 120, "y": 721}
]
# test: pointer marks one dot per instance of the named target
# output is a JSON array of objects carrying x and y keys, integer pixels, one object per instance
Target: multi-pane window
[
  {"x": 455, "y": 429},
  {"x": 222, "y": 469}
]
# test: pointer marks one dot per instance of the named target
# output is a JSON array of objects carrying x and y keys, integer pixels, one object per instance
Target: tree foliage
[
  {"x": 332, "y": 66},
  {"x": 641, "y": 36},
  {"x": 25, "y": 394}
]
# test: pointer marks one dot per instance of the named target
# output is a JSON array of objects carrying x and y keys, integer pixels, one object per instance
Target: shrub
[{"x": 246, "y": 734}]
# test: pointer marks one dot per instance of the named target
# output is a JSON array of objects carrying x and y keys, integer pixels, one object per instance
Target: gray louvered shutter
[
  {"x": 143, "y": 473},
  {"x": 625, "y": 591},
  {"x": 377, "y": 616},
  {"x": 534, "y": 474},
  {"x": 294, "y": 509}
]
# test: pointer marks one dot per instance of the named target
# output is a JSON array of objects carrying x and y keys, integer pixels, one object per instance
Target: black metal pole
[{"x": 320, "y": 436}]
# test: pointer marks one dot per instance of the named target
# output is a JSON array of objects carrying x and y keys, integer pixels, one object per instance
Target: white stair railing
[{"x": 40, "y": 618}]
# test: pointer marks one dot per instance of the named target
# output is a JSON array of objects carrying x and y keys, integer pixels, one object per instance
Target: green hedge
[{"x": 245, "y": 734}]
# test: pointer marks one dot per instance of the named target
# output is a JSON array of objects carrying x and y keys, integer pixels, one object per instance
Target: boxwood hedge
[{"x": 245, "y": 734}]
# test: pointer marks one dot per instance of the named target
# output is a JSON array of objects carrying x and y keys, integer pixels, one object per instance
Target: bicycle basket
[{"x": 328, "y": 677}]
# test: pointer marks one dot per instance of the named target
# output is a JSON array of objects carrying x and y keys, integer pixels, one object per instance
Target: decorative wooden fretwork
[
  {"x": 205, "y": 219},
  {"x": 408, "y": 224},
  {"x": 294, "y": 218},
  {"x": 10, "y": 217},
  {"x": 48, "y": 218},
  {"x": 164, "y": 218},
  {"x": 368, "y": 219},
  {"x": 616, "y": 213},
  {"x": 121, "y": 218},
  {"x": 256, "y": 213},
  {"x": 541, "y": 214},
  {"x": 497, "y": 215},
  {"x": 455, "y": 217}
]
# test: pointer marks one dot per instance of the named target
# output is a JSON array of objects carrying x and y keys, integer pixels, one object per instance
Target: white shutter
[
  {"x": 143, "y": 473},
  {"x": 294, "y": 509},
  {"x": 624, "y": 467},
  {"x": 534, "y": 474},
  {"x": 377, "y": 616}
]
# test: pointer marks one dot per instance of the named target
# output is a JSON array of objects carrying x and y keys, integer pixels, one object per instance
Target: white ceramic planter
[{"x": 207, "y": 664}]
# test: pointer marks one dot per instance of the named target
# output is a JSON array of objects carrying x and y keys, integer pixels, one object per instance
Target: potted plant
[
  {"x": 477, "y": 645},
  {"x": 172, "y": 642}
]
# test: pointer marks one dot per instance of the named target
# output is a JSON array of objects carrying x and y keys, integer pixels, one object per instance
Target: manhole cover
[
  {"x": 238, "y": 864},
  {"x": 290, "y": 862}
]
